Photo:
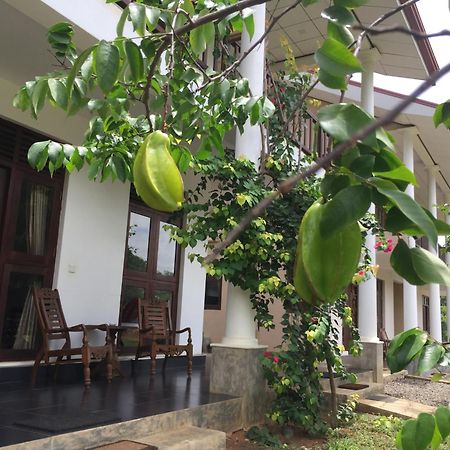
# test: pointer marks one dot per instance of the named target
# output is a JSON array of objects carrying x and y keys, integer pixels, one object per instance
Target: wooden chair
[
  {"x": 385, "y": 340},
  {"x": 54, "y": 327},
  {"x": 157, "y": 336}
]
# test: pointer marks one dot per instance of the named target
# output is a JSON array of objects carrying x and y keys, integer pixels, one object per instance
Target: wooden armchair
[
  {"x": 156, "y": 335},
  {"x": 54, "y": 327}
]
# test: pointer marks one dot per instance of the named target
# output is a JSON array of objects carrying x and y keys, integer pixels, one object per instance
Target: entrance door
[
  {"x": 151, "y": 264},
  {"x": 29, "y": 216}
]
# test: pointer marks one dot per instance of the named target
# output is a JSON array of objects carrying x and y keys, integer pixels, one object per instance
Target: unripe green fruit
[
  {"x": 325, "y": 265},
  {"x": 156, "y": 176}
]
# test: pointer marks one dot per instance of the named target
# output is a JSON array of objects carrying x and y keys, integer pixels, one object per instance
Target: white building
[{"x": 80, "y": 240}]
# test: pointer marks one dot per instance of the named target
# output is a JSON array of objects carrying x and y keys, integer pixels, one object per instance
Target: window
[
  {"x": 151, "y": 265},
  {"x": 30, "y": 203},
  {"x": 426, "y": 313},
  {"x": 213, "y": 293}
]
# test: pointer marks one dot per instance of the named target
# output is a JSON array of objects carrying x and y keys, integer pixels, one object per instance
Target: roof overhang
[{"x": 401, "y": 54}]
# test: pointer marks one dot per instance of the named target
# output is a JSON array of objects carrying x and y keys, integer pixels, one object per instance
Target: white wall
[{"x": 91, "y": 249}]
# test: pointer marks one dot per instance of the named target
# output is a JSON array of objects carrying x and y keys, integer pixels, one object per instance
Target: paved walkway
[{"x": 391, "y": 406}]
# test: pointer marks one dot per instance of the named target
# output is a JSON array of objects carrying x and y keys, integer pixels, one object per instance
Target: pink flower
[
  {"x": 389, "y": 241},
  {"x": 276, "y": 360},
  {"x": 361, "y": 273},
  {"x": 268, "y": 354},
  {"x": 378, "y": 244}
]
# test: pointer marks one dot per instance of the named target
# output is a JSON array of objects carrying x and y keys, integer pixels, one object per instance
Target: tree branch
[
  {"x": 380, "y": 20},
  {"x": 287, "y": 185},
  {"x": 216, "y": 15},
  {"x": 403, "y": 30}
]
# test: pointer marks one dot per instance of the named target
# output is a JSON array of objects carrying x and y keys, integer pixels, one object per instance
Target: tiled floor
[{"x": 124, "y": 399}]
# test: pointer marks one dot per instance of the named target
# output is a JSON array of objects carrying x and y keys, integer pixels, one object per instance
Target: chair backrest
[
  {"x": 383, "y": 335},
  {"x": 50, "y": 314},
  {"x": 156, "y": 316}
]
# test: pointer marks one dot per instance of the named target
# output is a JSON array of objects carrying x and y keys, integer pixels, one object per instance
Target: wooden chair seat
[
  {"x": 157, "y": 336},
  {"x": 54, "y": 328}
]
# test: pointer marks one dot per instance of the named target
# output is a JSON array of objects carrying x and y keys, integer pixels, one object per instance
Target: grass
[{"x": 367, "y": 432}]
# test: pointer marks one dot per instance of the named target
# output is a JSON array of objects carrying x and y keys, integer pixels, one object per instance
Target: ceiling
[{"x": 305, "y": 29}]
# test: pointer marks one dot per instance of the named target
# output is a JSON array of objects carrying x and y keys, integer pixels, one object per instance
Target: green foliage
[
  {"x": 416, "y": 345},
  {"x": 365, "y": 432},
  {"x": 346, "y": 412},
  {"x": 425, "y": 432},
  {"x": 262, "y": 436}
]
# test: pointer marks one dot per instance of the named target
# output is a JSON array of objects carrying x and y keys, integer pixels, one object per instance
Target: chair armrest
[
  {"x": 184, "y": 330},
  {"x": 101, "y": 327},
  {"x": 188, "y": 329},
  {"x": 146, "y": 330}
]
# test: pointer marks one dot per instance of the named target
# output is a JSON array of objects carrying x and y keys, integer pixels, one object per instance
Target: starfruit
[
  {"x": 325, "y": 265},
  {"x": 156, "y": 176}
]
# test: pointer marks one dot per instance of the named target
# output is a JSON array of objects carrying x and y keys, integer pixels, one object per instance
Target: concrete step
[
  {"x": 186, "y": 438},
  {"x": 388, "y": 376},
  {"x": 391, "y": 406}
]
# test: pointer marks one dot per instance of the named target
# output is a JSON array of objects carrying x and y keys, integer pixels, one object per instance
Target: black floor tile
[{"x": 128, "y": 398}]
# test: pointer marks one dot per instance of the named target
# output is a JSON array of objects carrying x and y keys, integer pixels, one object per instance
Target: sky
[{"x": 436, "y": 17}]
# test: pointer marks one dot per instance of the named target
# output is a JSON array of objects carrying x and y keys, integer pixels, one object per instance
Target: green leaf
[
  {"x": 442, "y": 415},
  {"x": 209, "y": 33},
  {"x": 22, "y": 99},
  {"x": 405, "y": 347},
  {"x": 397, "y": 222},
  {"x": 106, "y": 64},
  {"x": 343, "y": 120},
  {"x": 331, "y": 81},
  {"x": 36, "y": 152},
  {"x": 333, "y": 183},
  {"x": 401, "y": 173},
  {"x": 442, "y": 114},
  {"x": 339, "y": 15},
  {"x": 135, "y": 60},
  {"x": 121, "y": 22},
  {"x": 267, "y": 108},
  {"x": 363, "y": 165},
  {"x": 75, "y": 68},
  {"x": 39, "y": 93},
  {"x": 340, "y": 33},
  {"x": 349, "y": 205},
  {"x": 401, "y": 262},
  {"x": 58, "y": 92},
  {"x": 429, "y": 357},
  {"x": 336, "y": 59},
  {"x": 137, "y": 16},
  {"x": 247, "y": 15},
  {"x": 411, "y": 210},
  {"x": 350, "y": 3},
  {"x": 386, "y": 139},
  {"x": 54, "y": 151},
  {"x": 197, "y": 41},
  {"x": 429, "y": 267},
  {"x": 424, "y": 430},
  {"x": 153, "y": 15}
]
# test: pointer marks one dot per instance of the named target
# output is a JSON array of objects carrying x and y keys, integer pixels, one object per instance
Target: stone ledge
[{"x": 187, "y": 438}]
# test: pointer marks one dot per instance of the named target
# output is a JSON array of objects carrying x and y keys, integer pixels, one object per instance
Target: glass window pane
[
  {"x": 138, "y": 236},
  {"x": 33, "y": 219},
  {"x": 161, "y": 296},
  {"x": 166, "y": 253},
  {"x": 131, "y": 294},
  {"x": 213, "y": 289},
  {"x": 20, "y": 329}
]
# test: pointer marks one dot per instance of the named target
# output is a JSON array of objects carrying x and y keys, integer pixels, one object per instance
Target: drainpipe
[{"x": 447, "y": 260}]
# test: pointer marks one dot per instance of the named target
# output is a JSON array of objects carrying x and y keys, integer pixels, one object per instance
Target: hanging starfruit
[
  {"x": 156, "y": 176},
  {"x": 325, "y": 265}
]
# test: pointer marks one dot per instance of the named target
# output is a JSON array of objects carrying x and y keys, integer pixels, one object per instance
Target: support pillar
[
  {"x": 389, "y": 307},
  {"x": 235, "y": 366},
  {"x": 435, "y": 289},
  {"x": 410, "y": 317},
  {"x": 367, "y": 291},
  {"x": 372, "y": 354}
]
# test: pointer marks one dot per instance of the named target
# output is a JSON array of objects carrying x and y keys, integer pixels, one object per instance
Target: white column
[
  {"x": 367, "y": 291},
  {"x": 435, "y": 290},
  {"x": 447, "y": 260},
  {"x": 240, "y": 327},
  {"x": 410, "y": 316}
]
